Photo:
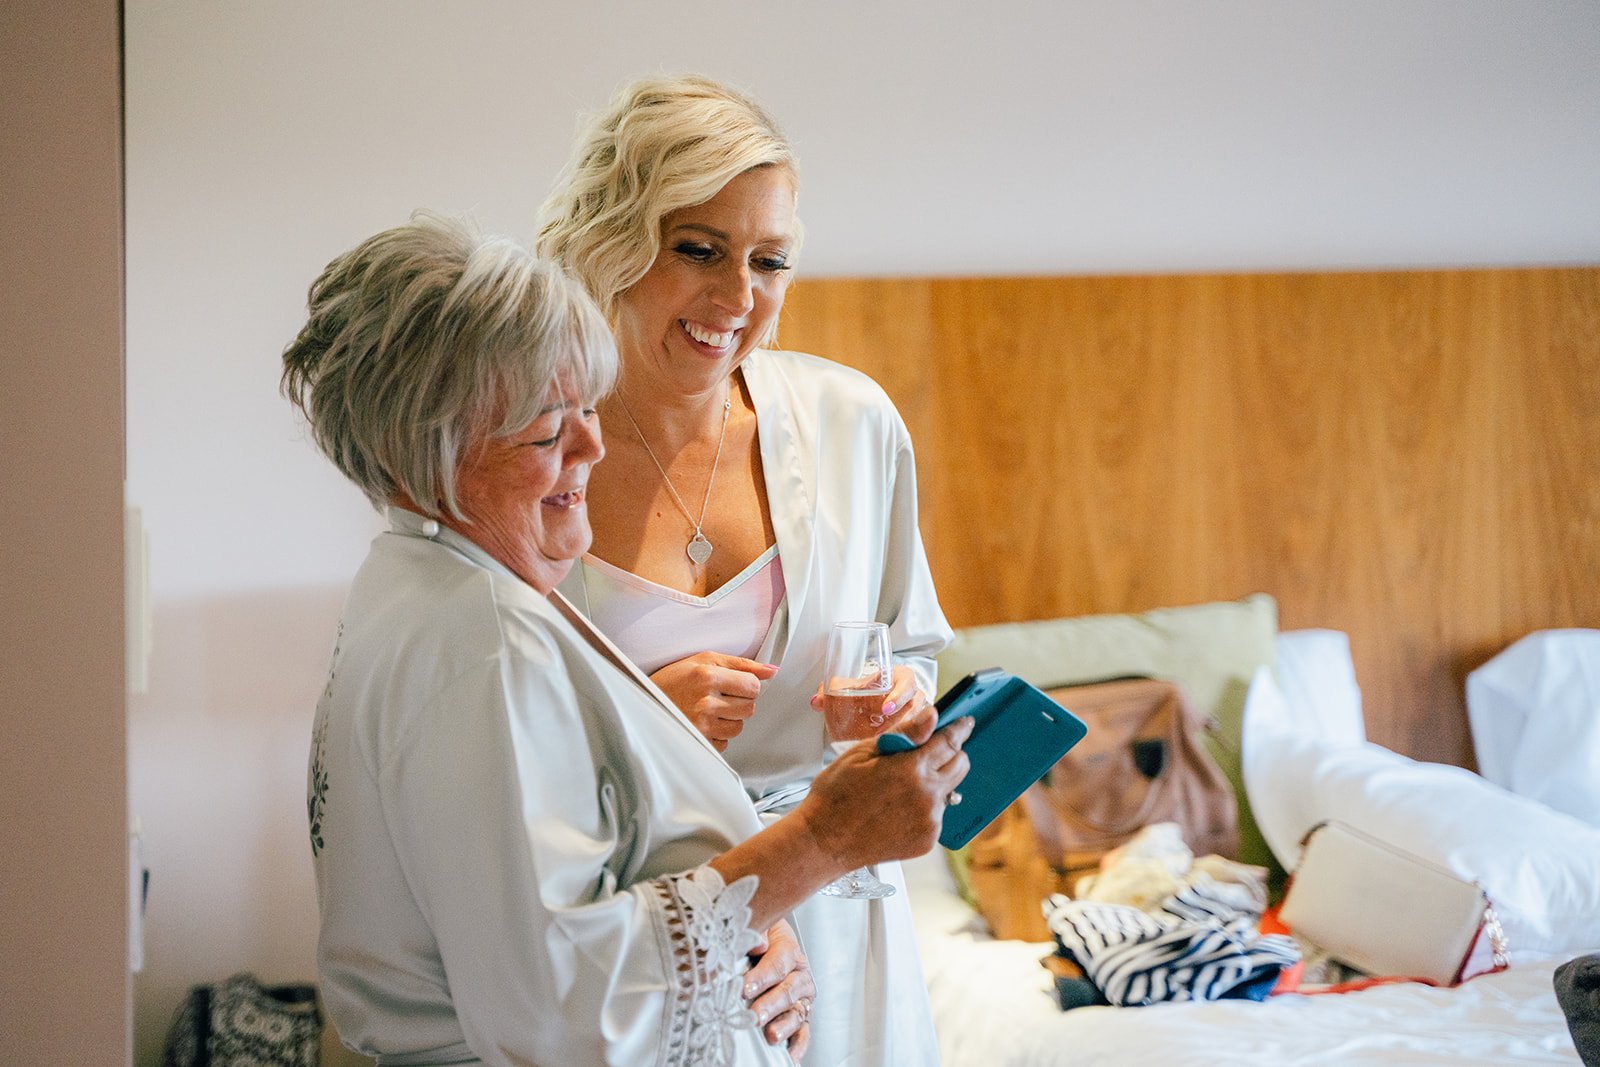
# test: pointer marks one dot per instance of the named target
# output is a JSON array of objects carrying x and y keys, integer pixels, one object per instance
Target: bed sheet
[{"x": 993, "y": 1007}]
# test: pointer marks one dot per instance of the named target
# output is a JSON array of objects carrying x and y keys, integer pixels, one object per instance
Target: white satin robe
[
  {"x": 841, "y": 485},
  {"x": 502, "y": 824}
]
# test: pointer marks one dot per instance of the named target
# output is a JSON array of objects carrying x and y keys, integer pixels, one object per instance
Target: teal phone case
[{"x": 1018, "y": 735}]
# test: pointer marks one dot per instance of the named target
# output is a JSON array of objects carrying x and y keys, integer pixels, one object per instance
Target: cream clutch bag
[{"x": 1387, "y": 912}]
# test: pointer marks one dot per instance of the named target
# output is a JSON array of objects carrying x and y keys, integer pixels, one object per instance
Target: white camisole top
[{"x": 655, "y": 625}]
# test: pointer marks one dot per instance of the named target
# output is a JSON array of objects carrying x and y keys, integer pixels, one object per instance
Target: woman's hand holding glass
[
  {"x": 865, "y": 807},
  {"x": 858, "y": 703},
  {"x": 904, "y": 707},
  {"x": 856, "y": 681}
]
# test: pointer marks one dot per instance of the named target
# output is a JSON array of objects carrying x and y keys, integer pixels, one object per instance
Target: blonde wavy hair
[{"x": 662, "y": 144}]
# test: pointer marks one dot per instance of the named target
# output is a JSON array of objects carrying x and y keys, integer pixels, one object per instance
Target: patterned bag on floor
[{"x": 241, "y": 1023}]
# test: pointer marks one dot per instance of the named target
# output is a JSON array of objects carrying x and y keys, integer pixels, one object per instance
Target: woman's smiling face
[
  {"x": 716, "y": 287},
  {"x": 523, "y": 494}
]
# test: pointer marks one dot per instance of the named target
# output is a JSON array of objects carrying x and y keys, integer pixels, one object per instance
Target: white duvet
[{"x": 993, "y": 1007}]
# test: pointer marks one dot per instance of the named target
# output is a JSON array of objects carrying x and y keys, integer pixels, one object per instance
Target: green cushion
[{"x": 1211, "y": 651}]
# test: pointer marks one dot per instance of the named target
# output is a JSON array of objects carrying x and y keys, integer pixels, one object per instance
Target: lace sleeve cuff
[{"x": 706, "y": 937}]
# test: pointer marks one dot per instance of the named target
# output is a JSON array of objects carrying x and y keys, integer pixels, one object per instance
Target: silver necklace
[{"x": 698, "y": 548}]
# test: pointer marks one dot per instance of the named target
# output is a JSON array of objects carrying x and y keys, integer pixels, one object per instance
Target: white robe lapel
[
  {"x": 603, "y": 646},
  {"x": 411, "y": 524},
  {"x": 788, "y": 457}
]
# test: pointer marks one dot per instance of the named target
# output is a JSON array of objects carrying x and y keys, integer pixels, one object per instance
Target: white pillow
[
  {"x": 1318, "y": 680},
  {"x": 1316, "y": 700},
  {"x": 1535, "y": 716},
  {"x": 1540, "y": 868}
]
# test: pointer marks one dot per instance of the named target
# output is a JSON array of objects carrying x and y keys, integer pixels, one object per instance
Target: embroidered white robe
[{"x": 503, "y": 822}]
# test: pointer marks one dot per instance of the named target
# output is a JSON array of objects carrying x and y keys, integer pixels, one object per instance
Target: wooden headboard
[{"x": 1410, "y": 457}]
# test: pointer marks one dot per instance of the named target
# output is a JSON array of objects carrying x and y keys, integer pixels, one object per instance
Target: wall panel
[
  {"x": 64, "y": 983},
  {"x": 1410, "y": 457}
]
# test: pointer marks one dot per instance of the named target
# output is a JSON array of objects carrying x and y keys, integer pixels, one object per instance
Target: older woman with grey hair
[
  {"x": 751, "y": 497},
  {"x": 524, "y": 853}
]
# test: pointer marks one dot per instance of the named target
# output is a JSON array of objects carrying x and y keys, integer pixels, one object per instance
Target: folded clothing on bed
[{"x": 1194, "y": 947}]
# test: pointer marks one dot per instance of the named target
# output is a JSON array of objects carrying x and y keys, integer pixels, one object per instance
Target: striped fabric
[{"x": 1194, "y": 947}]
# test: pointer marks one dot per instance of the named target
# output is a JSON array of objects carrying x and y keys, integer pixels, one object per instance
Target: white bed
[
  {"x": 1305, "y": 759},
  {"x": 993, "y": 1006}
]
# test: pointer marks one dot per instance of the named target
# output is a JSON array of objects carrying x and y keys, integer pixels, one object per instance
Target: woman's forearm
[
  {"x": 863, "y": 808},
  {"x": 789, "y": 860}
]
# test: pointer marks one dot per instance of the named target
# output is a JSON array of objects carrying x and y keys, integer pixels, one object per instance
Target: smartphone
[{"x": 1018, "y": 735}]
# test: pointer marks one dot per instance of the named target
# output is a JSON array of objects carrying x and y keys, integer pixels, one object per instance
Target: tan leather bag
[{"x": 1141, "y": 763}]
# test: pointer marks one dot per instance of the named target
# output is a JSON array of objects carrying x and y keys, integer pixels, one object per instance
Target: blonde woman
[{"x": 750, "y": 497}]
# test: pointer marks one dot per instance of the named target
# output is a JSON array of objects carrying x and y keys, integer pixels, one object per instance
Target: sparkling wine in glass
[{"x": 858, "y": 675}]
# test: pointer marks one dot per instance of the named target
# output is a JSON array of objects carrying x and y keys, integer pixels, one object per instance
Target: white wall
[{"x": 937, "y": 137}]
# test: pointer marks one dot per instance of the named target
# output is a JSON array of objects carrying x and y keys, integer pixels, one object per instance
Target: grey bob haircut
[{"x": 426, "y": 340}]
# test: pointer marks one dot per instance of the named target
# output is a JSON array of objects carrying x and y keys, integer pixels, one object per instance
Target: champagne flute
[{"x": 858, "y": 675}]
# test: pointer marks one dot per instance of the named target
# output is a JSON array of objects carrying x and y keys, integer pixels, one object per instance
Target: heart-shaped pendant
[{"x": 699, "y": 549}]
